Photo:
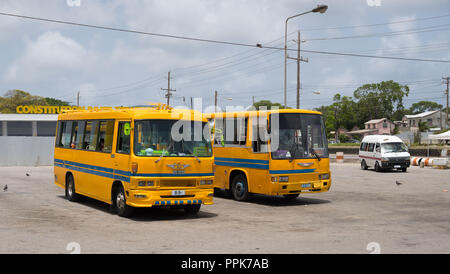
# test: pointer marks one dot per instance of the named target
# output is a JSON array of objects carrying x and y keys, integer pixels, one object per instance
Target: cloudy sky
[{"x": 112, "y": 68}]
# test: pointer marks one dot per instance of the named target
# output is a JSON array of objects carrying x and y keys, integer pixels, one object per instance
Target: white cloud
[{"x": 50, "y": 55}]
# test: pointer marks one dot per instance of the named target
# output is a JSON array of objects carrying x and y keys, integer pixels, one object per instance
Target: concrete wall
[{"x": 26, "y": 151}]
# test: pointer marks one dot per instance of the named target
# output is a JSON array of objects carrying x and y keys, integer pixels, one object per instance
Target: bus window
[
  {"x": 90, "y": 135},
  {"x": 60, "y": 130},
  {"x": 80, "y": 133},
  {"x": 105, "y": 136},
  {"x": 66, "y": 134},
  {"x": 74, "y": 134},
  {"x": 123, "y": 138}
]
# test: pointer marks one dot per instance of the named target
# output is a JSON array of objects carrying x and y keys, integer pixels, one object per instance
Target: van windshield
[
  {"x": 393, "y": 147},
  {"x": 154, "y": 138}
]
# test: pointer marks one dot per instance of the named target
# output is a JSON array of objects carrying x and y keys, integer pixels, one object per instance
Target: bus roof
[
  {"x": 258, "y": 113},
  {"x": 140, "y": 112}
]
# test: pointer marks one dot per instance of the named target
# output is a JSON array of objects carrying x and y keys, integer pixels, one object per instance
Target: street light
[{"x": 320, "y": 9}]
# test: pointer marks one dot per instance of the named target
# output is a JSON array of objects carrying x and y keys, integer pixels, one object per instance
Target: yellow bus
[
  {"x": 135, "y": 157},
  {"x": 273, "y": 152}
]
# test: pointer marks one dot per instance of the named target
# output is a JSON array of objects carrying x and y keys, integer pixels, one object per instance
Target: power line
[
  {"x": 215, "y": 41},
  {"x": 378, "y": 24}
]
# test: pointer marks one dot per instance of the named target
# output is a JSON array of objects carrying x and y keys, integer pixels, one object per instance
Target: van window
[
  {"x": 363, "y": 147},
  {"x": 371, "y": 146},
  {"x": 377, "y": 147}
]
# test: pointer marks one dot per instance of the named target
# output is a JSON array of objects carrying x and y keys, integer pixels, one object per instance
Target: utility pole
[
  {"x": 215, "y": 101},
  {"x": 298, "y": 59},
  {"x": 446, "y": 79},
  {"x": 78, "y": 99},
  {"x": 253, "y": 100},
  {"x": 168, "y": 94}
]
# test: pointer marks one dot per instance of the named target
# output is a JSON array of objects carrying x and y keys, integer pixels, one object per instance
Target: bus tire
[
  {"x": 120, "y": 201},
  {"x": 291, "y": 196},
  {"x": 71, "y": 195},
  {"x": 364, "y": 165},
  {"x": 192, "y": 209},
  {"x": 239, "y": 188}
]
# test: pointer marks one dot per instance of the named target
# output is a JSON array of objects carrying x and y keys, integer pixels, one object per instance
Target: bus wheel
[
  {"x": 364, "y": 165},
  {"x": 192, "y": 209},
  {"x": 123, "y": 210},
  {"x": 70, "y": 189},
  {"x": 239, "y": 188},
  {"x": 291, "y": 196}
]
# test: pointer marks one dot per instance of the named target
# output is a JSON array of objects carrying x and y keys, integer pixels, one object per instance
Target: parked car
[{"x": 383, "y": 152}]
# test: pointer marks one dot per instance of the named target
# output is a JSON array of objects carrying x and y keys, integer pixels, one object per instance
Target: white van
[{"x": 383, "y": 152}]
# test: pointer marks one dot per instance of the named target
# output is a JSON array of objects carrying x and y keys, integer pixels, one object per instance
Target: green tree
[
  {"x": 423, "y": 106},
  {"x": 268, "y": 104},
  {"x": 14, "y": 98},
  {"x": 380, "y": 100},
  {"x": 55, "y": 102}
]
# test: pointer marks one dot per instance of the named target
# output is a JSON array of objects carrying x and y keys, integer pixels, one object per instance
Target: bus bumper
[
  {"x": 303, "y": 187},
  {"x": 147, "y": 198}
]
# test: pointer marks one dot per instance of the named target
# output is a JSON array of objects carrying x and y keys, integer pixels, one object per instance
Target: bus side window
[
  {"x": 105, "y": 136},
  {"x": 90, "y": 135},
  {"x": 123, "y": 138},
  {"x": 73, "y": 138},
  {"x": 257, "y": 143},
  {"x": 60, "y": 130},
  {"x": 79, "y": 139},
  {"x": 66, "y": 134}
]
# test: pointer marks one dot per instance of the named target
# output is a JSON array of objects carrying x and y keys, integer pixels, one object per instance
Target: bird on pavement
[
  {"x": 5, "y": 188},
  {"x": 27, "y": 174},
  {"x": 397, "y": 183}
]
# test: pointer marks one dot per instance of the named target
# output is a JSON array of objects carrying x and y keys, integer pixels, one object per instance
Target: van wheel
[
  {"x": 377, "y": 167},
  {"x": 239, "y": 188},
  {"x": 123, "y": 210},
  {"x": 364, "y": 165},
  {"x": 71, "y": 195}
]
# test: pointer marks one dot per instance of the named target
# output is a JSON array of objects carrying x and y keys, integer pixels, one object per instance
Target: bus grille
[{"x": 177, "y": 183}]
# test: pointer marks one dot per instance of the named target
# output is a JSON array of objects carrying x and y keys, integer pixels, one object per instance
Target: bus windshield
[
  {"x": 154, "y": 138},
  {"x": 393, "y": 147},
  {"x": 299, "y": 136}
]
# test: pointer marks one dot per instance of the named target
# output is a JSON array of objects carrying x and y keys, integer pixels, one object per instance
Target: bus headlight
[
  {"x": 206, "y": 182},
  {"x": 324, "y": 176},
  {"x": 284, "y": 179}
]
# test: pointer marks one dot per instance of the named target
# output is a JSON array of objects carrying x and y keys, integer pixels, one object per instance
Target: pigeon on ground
[
  {"x": 5, "y": 188},
  {"x": 27, "y": 174},
  {"x": 397, "y": 183}
]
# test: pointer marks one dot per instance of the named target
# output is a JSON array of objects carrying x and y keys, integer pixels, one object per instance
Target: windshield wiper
[
  {"x": 162, "y": 153},
  {"x": 293, "y": 153},
  {"x": 315, "y": 154},
  {"x": 190, "y": 151}
]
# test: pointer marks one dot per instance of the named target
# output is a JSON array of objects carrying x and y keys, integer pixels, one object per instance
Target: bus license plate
[
  {"x": 178, "y": 192},
  {"x": 306, "y": 185}
]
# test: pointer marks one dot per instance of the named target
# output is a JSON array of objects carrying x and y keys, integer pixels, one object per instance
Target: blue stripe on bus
[
  {"x": 251, "y": 161},
  {"x": 295, "y": 171},
  {"x": 258, "y": 166},
  {"x": 118, "y": 174}
]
